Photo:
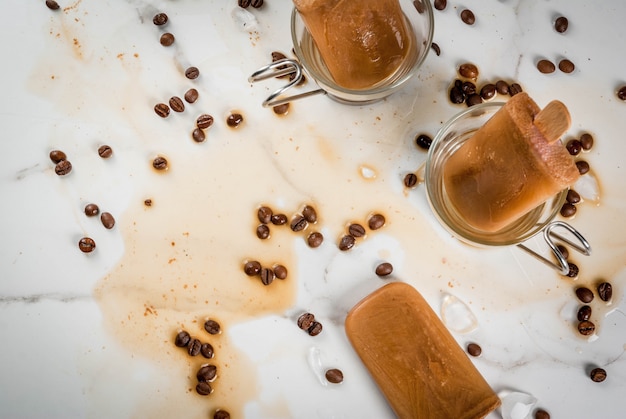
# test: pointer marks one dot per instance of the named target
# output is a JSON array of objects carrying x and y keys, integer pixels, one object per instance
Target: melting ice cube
[
  {"x": 517, "y": 405},
  {"x": 457, "y": 316},
  {"x": 244, "y": 20}
]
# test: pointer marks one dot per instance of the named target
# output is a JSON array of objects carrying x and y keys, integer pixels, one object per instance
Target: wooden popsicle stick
[{"x": 553, "y": 120}]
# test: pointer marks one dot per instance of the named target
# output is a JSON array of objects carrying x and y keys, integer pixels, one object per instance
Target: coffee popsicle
[{"x": 417, "y": 364}]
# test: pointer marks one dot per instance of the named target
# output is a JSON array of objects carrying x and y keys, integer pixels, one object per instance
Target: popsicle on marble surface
[{"x": 415, "y": 361}]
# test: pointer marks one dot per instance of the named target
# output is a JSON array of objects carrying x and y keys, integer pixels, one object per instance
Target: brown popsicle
[{"x": 417, "y": 364}]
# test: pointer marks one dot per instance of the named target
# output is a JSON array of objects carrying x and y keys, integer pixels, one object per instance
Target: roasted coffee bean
[
  {"x": 573, "y": 270},
  {"x": 473, "y": 99},
  {"x": 334, "y": 375},
  {"x": 541, "y": 414},
  {"x": 419, "y": 6},
  {"x": 191, "y": 95},
  {"x": 182, "y": 339},
  {"x": 160, "y": 19},
  {"x": 584, "y": 294},
  {"x": 474, "y": 349},
  {"x": 264, "y": 214},
  {"x": 234, "y": 120},
  {"x": 586, "y": 328},
  {"x": 456, "y": 95},
  {"x": 598, "y": 375},
  {"x": 57, "y": 156},
  {"x": 198, "y": 135},
  {"x": 545, "y": 66},
  {"x": 263, "y": 231},
  {"x": 282, "y": 109},
  {"x": 298, "y": 223},
  {"x": 252, "y": 268},
  {"x": 315, "y": 239},
  {"x": 502, "y": 87},
  {"x": 440, "y": 4},
  {"x": 436, "y": 48},
  {"x": 86, "y": 245},
  {"x": 52, "y": 5},
  {"x": 244, "y": 3},
  {"x": 560, "y": 24},
  {"x": 586, "y": 141},
  {"x": 256, "y": 3},
  {"x": 192, "y": 73},
  {"x": 212, "y": 327},
  {"x": 583, "y": 166},
  {"x": 279, "y": 219},
  {"x": 384, "y": 269},
  {"x": 488, "y": 91},
  {"x": 159, "y": 163},
  {"x": 621, "y": 93},
  {"x": 467, "y": 16},
  {"x": 206, "y": 350},
  {"x": 568, "y": 210},
  {"x": 566, "y": 66},
  {"x": 574, "y": 147},
  {"x": 204, "y": 389},
  {"x": 309, "y": 213},
  {"x": 167, "y": 39},
  {"x": 468, "y": 88},
  {"x": 573, "y": 197},
  {"x": 563, "y": 250},
  {"x": 162, "y": 110},
  {"x": 221, "y": 414},
  {"x": 410, "y": 180},
  {"x": 277, "y": 56},
  {"x": 423, "y": 141},
  {"x": 376, "y": 221},
  {"x": 346, "y": 242},
  {"x": 147, "y": 202},
  {"x": 305, "y": 321},
  {"x": 194, "y": 346},
  {"x": 584, "y": 313},
  {"x": 107, "y": 220},
  {"x": 206, "y": 373},
  {"x": 204, "y": 121},
  {"x": 280, "y": 271},
  {"x": 469, "y": 71},
  {"x": 63, "y": 168},
  {"x": 91, "y": 210},
  {"x": 177, "y": 104},
  {"x": 605, "y": 291},
  {"x": 105, "y": 151},
  {"x": 315, "y": 328},
  {"x": 514, "y": 89},
  {"x": 356, "y": 230},
  {"x": 267, "y": 276}
]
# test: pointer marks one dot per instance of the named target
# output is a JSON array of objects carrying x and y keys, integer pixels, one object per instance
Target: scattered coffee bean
[
  {"x": 566, "y": 66},
  {"x": 621, "y": 93},
  {"x": 315, "y": 328},
  {"x": 277, "y": 56},
  {"x": 514, "y": 89},
  {"x": 256, "y": 3},
  {"x": 263, "y": 231},
  {"x": 376, "y": 221},
  {"x": 356, "y": 230},
  {"x": 573, "y": 270},
  {"x": 105, "y": 151},
  {"x": 468, "y": 88},
  {"x": 346, "y": 242},
  {"x": 206, "y": 373},
  {"x": 167, "y": 39},
  {"x": 334, "y": 375},
  {"x": 456, "y": 95},
  {"x": 162, "y": 110},
  {"x": 586, "y": 141},
  {"x": 204, "y": 121},
  {"x": 221, "y": 414},
  {"x": 63, "y": 168},
  {"x": 234, "y": 120},
  {"x": 107, "y": 220},
  {"x": 86, "y": 245},
  {"x": 182, "y": 339},
  {"x": 541, "y": 414},
  {"x": 279, "y": 219},
  {"x": 280, "y": 271},
  {"x": 410, "y": 180},
  {"x": 440, "y": 4},
  {"x": 436, "y": 48},
  {"x": 191, "y": 95},
  {"x": 502, "y": 87},
  {"x": 267, "y": 276},
  {"x": 159, "y": 163},
  {"x": 423, "y": 141},
  {"x": 473, "y": 99},
  {"x": 474, "y": 349},
  {"x": 605, "y": 291},
  {"x": 586, "y": 328},
  {"x": 568, "y": 210},
  {"x": 52, "y": 5},
  {"x": 282, "y": 109},
  {"x": 298, "y": 223},
  {"x": 309, "y": 213},
  {"x": 194, "y": 346},
  {"x": 57, "y": 156},
  {"x": 204, "y": 389},
  {"x": 91, "y": 210},
  {"x": 252, "y": 268},
  {"x": 584, "y": 294},
  {"x": 574, "y": 147},
  {"x": 384, "y": 269},
  {"x": 563, "y": 250},
  {"x": 264, "y": 214},
  {"x": 469, "y": 71},
  {"x": 305, "y": 321},
  {"x": 584, "y": 313},
  {"x": 545, "y": 66},
  {"x": 573, "y": 197},
  {"x": 598, "y": 375},
  {"x": 177, "y": 104},
  {"x": 160, "y": 19},
  {"x": 467, "y": 16},
  {"x": 315, "y": 239},
  {"x": 488, "y": 91},
  {"x": 206, "y": 350},
  {"x": 192, "y": 73},
  {"x": 147, "y": 202},
  {"x": 244, "y": 3},
  {"x": 212, "y": 327},
  {"x": 560, "y": 24},
  {"x": 583, "y": 166},
  {"x": 198, "y": 135}
]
